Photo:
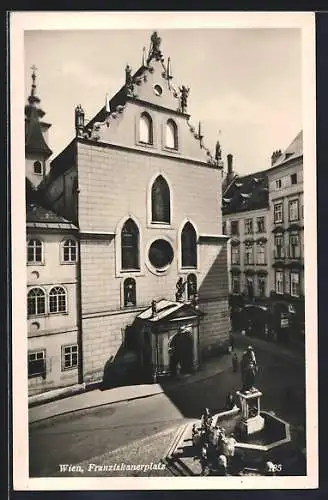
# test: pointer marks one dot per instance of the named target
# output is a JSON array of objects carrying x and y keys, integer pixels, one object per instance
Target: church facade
[{"x": 144, "y": 192}]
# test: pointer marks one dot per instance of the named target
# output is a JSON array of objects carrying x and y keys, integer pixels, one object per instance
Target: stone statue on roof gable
[
  {"x": 184, "y": 92},
  {"x": 128, "y": 80},
  {"x": 218, "y": 151},
  {"x": 154, "y": 51}
]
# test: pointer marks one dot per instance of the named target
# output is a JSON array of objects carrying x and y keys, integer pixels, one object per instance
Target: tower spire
[
  {"x": 33, "y": 89},
  {"x": 33, "y": 100}
]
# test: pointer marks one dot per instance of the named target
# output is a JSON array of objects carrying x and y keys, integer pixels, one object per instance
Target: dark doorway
[{"x": 181, "y": 352}]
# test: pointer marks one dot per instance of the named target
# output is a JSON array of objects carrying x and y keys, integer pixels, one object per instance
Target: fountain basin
[{"x": 266, "y": 444}]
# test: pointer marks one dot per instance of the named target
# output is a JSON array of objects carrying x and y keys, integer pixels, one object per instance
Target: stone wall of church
[{"x": 114, "y": 184}]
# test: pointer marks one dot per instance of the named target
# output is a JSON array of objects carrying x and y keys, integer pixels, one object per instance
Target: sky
[{"x": 245, "y": 84}]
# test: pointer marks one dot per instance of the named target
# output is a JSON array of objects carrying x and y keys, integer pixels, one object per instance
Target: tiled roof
[
  {"x": 249, "y": 192},
  {"x": 166, "y": 309},
  {"x": 294, "y": 150},
  {"x": 40, "y": 217},
  {"x": 34, "y": 140}
]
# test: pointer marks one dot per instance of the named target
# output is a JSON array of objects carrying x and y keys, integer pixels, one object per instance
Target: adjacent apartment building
[
  {"x": 263, "y": 215},
  {"x": 246, "y": 219},
  {"x": 287, "y": 223}
]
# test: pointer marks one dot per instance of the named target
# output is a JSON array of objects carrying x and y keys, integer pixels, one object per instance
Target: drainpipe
[{"x": 79, "y": 285}]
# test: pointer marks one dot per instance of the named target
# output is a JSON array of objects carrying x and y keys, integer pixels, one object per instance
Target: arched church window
[
  {"x": 171, "y": 135},
  {"x": 160, "y": 201},
  {"x": 130, "y": 245},
  {"x": 188, "y": 246},
  {"x": 191, "y": 286},
  {"x": 146, "y": 129},
  {"x": 129, "y": 292}
]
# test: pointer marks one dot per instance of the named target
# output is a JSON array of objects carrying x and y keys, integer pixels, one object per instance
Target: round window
[
  {"x": 158, "y": 90},
  {"x": 160, "y": 254}
]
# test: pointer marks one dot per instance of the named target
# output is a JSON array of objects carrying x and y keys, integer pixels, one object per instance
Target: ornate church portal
[{"x": 169, "y": 339}]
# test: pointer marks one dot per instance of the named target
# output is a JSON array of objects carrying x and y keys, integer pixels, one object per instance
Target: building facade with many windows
[
  {"x": 141, "y": 186},
  {"x": 245, "y": 208},
  {"x": 287, "y": 222},
  {"x": 264, "y": 217}
]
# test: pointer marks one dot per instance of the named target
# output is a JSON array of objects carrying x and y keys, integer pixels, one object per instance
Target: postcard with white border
[{"x": 164, "y": 289}]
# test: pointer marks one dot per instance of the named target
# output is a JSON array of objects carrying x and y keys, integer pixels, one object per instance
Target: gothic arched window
[
  {"x": 160, "y": 201},
  {"x": 36, "y": 302},
  {"x": 146, "y": 129},
  {"x": 191, "y": 286},
  {"x": 171, "y": 135},
  {"x": 129, "y": 292},
  {"x": 57, "y": 299},
  {"x": 188, "y": 246},
  {"x": 130, "y": 245}
]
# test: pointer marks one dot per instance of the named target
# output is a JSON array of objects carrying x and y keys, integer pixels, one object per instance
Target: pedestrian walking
[
  {"x": 235, "y": 363},
  {"x": 232, "y": 341}
]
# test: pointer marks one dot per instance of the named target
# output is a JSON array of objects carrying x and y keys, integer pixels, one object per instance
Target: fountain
[{"x": 259, "y": 436}]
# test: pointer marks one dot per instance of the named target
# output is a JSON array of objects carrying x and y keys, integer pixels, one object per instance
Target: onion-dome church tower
[{"x": 37, "y": 151}]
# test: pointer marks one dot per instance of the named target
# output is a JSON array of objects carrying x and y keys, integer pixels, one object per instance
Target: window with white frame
[
  {"x": 36, "y": 302},
  {"x": 294, "y": 284},
  {"x": 70, "y": 357},
  {"x": 278, "y": 212},
  {"x": 171, "y": 135},
  {"x": 235, "y": 255},
  {"x": 293, "y": 210},
  {"x": 34, "y": 251},
  {"x": 235, "y": 284},
  {"x": 69, "y": 251},
  {"x": 248, "y": 226},
  {"x": 57, "y": 300},
  {"x": 260, "y": 224},
  {"x": 36, "y": 362},
  {"x": 294, "y": 245},
  {"x": 249, "y": 255},
  {"x": 260, "y": 253},
  {"x": 279, "y": 251},
  {"x": 146, "y": 129},
  {"x": 279, "y": 278}
]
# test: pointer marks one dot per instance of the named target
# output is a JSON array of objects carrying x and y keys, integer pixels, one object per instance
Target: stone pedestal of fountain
[{"x": 251, "y": 419}]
